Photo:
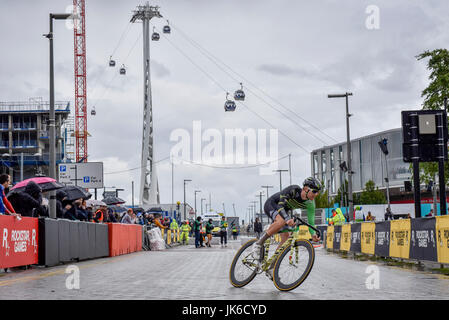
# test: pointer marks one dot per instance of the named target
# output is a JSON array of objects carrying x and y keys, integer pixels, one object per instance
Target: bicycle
[{"x": 244, "y": 268}]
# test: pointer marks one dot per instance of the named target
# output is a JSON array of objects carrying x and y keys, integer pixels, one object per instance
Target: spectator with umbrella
[{"x": 29, "y": 201}]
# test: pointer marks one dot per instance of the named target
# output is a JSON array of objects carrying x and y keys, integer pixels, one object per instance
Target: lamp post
[
  {"x": 280, "y": 177},
  {"x": 196, "y": 191},
  {"x": 202, "y": 199},
  {"x": 185, "y": 180},
  {"x": 52, "y": 138},
  {"x": 348, "y": 146}
]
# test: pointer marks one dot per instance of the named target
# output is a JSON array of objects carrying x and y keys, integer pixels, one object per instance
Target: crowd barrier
[
  {"x": 65, "y": 240},
  {"x": 124, "y": 238},
  {"x": 170, "y": 236},
  {"x": 20, "y": 239},
  {"x": 425, "y": 239}
]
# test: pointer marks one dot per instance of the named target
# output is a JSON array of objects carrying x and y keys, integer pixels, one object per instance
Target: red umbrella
[{"x": 46, "y": 183}]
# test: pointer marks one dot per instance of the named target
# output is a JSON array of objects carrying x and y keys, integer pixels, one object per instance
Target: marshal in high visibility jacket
[
  {"x": 185, "y": 229},
  {"x": 174, "y": 225},
  {"x": 338, "y": 219}
]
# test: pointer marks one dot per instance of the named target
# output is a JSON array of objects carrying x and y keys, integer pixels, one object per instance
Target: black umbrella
[
  {"x": 113, "y": 200},
  {"x": 155, "y": 209},
  {"x": 75, "y": 192},
  {"x": 117, "y": 209}
]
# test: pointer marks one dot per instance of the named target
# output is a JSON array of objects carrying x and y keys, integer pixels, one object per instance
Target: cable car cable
[{"x": 212, "y": 57}]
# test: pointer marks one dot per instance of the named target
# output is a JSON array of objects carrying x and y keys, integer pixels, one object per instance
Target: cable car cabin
[
  {"x": 93, "y": 112},
  {"x": 239, "y": 95},
  {"x": 166, "y": 29},
  {"x": 123, "y": 70},
  {"x": 155, "y": 36},
  {"x": 111, "y": 62},
  {"x": 229, "y": 105}
]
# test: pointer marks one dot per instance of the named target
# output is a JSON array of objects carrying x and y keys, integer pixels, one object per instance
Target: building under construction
[{"x": 24, "y": 137}]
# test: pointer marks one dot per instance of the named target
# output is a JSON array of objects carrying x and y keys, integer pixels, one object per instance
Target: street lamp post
[
  {"x": 280, "y": 177},
  {"x": 185, "y": 180},
  {"x": 196, "y": 191},
  {"x": 348, "y": 146},
  {"x": 202, "y": 199},
  {"x": 52, "y": 138}
]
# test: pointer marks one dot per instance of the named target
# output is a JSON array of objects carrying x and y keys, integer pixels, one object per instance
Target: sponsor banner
[
  {"x": 367, "y": 237},
  {"x": 355, "y": 237},
  {"x": 400, "y": 238},
  {"x": 442, "y": 231},
  {"x": 337, "y": 237},
  {"x": 303, "y": 233},
  {"x": 382, "y": 235},
  {"x": 345, "y": 243},
  {"x": 330, "y": 237},
  {"x": 423, "y": 239},
  {"x": 19, "y": 241}
]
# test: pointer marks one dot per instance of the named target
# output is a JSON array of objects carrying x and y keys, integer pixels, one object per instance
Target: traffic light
[
  {"x": 343, "y": 166},
  {"x": 383, "y": 146},
  {"x": 429, "y": 186}
]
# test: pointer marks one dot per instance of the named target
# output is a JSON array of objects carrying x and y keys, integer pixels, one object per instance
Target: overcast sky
[{"x": 296, "y": 52}]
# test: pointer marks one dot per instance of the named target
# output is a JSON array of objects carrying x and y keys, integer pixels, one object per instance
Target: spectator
[
  {"x": 408, "y": 216},
  {"x": 234, "y": 232},
  {"x": 257, "y": 228},
  {"x": 99, "y": 215},
  {"x": 81, "y": 211},
  {"x": 128, "y": 217},
  {"x": 197, "y": 231},
  {"x": 158, "y": 221},
  {"x": 5, "y": 205},
  {"x": 430, "y": 214},
  {"x": 388, "y": 214},
  {"x": 223, "y": 232},
  {"x": 111, "y": 216},
  {"x": 89, "y": 210},
  {"x": 60, "y": 197},
  {"x": 209, "y": 228},
  {"x": 370, "y": 217},
  {"x": 28, "y": 202},
  {"x": 71, "y": 212}
]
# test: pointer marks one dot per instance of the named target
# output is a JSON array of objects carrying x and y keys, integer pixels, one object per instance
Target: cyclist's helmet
[{"x": 313, "y": 184}]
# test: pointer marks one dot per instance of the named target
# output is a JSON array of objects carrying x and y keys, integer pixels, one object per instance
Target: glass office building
[{"x": 368, "y": 163}]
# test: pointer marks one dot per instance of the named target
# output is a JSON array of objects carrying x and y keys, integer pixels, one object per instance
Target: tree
[
  {"x": 372, "y": 194},
  {"x": 322, "y": 200},
  {"x": 434, "y": 99}
]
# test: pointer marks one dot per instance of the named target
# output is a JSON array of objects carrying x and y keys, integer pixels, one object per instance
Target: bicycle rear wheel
[
  {"x": 243, "y": 267},
  {"x": 293, "y": 266}
]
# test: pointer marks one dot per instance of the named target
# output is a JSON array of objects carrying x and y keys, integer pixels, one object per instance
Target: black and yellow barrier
[{"x": 418, "y": 239}]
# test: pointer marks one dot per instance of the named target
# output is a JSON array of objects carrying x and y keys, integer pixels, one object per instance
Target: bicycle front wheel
[
  {"x": 243, "y": 267},
  {"x": 293, "y": 265}
]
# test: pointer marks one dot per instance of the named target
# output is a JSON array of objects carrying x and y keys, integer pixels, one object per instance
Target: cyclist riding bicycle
[{"x": 277, "y": 206}]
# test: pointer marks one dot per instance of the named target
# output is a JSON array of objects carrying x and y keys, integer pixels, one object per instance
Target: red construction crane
[{"x": 80, "y": 80}]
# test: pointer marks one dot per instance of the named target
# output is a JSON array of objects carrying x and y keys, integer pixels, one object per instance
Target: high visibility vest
[
  {"x": 174, "y": 225},
  {"x": 185, "y": 228},
  {"x": 101, "y": 217}
]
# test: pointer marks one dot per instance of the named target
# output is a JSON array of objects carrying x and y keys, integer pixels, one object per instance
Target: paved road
[{"x": 189, "y": 273}]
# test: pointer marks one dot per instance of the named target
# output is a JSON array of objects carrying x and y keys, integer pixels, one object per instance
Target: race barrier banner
[
  {"x": 20, "y": 239},
  {"x": 382, "y": 247},
  {"x": 442, "y": 231},
  {"x": 424, "y": 238},
  {"x": 65, "y": 240},
  {"x": 400, "y": 238},
  {"x": 367, "y": 240},
  {"x": 423, "y": 244},
  {"x": 124, "y": 238},
  {"x": 337, "y": 237},
  {"x": 345, "y": 243},
  {"x": 356, "y": 237},
  {"x": 303, "y": 233},
  {"x": 330, "y": 237}
]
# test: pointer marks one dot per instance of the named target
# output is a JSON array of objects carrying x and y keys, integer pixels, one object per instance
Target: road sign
[{"x": 87, "y": 175}]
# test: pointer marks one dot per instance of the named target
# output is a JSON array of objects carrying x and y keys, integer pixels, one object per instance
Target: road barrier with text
[{"x": 417, "y": 239}]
